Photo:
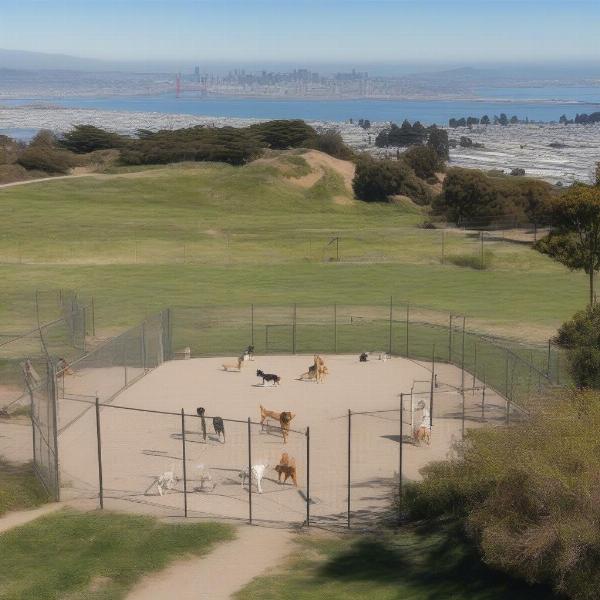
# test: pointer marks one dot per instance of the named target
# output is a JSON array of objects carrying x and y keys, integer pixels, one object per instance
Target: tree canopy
[{"x": 575, "y": 238}]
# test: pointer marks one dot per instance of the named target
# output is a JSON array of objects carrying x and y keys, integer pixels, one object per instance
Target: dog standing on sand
[{"x": 287, "y": 468}]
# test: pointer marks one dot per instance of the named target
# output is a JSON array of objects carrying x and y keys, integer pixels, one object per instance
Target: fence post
[
  {"x": 125, "y": 361},
  {"x": 349, "y": 460},
  {"x": 462, "y": 394},
  {"x": 407, "y": 322},
  {"x": 252, "y": 323},
  {"x": 431, "y": 389},
  {"x": 294, "y": 331},
  {"x": 462, "y": 361},
  {"x": 549, "y": 350},
  {"x": 185, "y": 507},
  {"x": 32, "y": 417},
  {"x": 335, "y": 327},
  {"x": 249, "y": 471},
  {"x": 474, "y": 366},
  {"x": 483, "y": 404},
  {"x": 506, "y": 375},
  {"x": 308, "y": 476},
  {"x": 143, "y": 343},
  {"x": 391, "y": 321},
  {"x": 99, "y": 445},
  {"x": 450, "y": 339},
  {"x": 400, "y": 455},
  {"x": 84, "y": 319},
  {"x": 93, "y": 318}
]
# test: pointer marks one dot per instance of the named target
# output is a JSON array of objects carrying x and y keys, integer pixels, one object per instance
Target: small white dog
[
  {"x": 258, "y": 472},
  {"x": 166, "y": 481},
  {"x": 206, "y": 481}
]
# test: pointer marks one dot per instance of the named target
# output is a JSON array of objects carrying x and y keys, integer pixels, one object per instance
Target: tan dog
[
  {"x": 287, "y": 468},
  {"x": 235, "y": 367},
  {"x": 284, "y": 418},
  {"x": 320, "y": 368}
]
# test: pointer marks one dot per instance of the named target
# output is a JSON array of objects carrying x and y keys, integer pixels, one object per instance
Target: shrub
[
  {"x": 423, "y": 160},
  {"x": 87, "y": 138},
  {"x": 49, "y": 160},
  {"x": 331, "y": 143},
  {"x": 377, "y": 180},
  {"x": 472, "y": 196},
  {"x": 527, "y": 494},
  {"x": 223, "y": 144},
  {"x": 284, "y": 134},
  {"x": 581, "y": 338}
]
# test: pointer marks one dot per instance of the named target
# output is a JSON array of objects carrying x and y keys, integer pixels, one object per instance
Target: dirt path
[
  {"x": 18, "y": 518},
  {"x": 221, "y": 573},
  {"x": 41, "y": 179}
]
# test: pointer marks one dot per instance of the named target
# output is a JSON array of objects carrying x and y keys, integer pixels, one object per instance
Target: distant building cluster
[{"x": 297, "y": 83}]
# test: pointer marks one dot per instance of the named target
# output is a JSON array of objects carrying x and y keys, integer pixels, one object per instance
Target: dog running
[{"x": 268, "y": 377}]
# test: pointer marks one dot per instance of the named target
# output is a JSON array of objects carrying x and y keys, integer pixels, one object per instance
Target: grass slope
[
  {"x": 209, "y": 233},
  {"x": 19, "y": 488},
  {"x": 94, "y": 556},
  {"x": 412, "y": 564}
]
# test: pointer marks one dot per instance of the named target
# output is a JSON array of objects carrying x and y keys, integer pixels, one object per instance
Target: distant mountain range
[{"x": 488, "y": 74}]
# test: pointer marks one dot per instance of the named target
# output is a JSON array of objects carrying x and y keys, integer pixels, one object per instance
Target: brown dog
[
  {"x": 284, "y": 418},
  {"x": 287, "y": 468}
]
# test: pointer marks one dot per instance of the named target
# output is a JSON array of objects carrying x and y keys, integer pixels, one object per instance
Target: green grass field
[
  {"x": 208, "y": 233},
  {"x": 19, "y": 488},
  {"x": 94, "y": 556},
  {"x": 411, "y": 564}
]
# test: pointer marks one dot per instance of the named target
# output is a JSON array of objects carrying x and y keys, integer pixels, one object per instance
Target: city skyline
[{"x": 343, "y": 31}]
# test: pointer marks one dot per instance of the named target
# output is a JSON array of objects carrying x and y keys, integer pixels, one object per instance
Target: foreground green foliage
[
  {"x": 528, "y": 494},
  {"x": 94, "y": 556},
  {"x": 412, "y": 564},
  {"x": 19, "y": 488},
  {"x": 581, "y": 337}
]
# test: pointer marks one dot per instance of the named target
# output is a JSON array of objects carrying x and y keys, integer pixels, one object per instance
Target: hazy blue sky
[{"x": 305, "y": 30}]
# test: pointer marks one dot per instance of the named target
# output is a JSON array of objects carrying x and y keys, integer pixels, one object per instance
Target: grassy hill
[{"x": 138, "y": 239}]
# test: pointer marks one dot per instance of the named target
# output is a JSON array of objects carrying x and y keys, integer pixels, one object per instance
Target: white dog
[
  {"x": 206, "y": 480},
  {"x": 166, "y": 481},
  {"x": 258, "y": 472}
]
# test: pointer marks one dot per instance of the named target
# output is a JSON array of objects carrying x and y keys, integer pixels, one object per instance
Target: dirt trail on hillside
[
  {"x": 218, "y": 575},
  {"x": 319, "y": 161},
  {"x": 21, "y": 517}
]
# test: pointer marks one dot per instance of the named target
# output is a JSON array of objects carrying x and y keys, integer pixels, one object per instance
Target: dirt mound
[{"x": 319, "y": 161}]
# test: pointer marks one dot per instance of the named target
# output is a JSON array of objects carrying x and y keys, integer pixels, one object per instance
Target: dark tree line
[{"x": 502, "y": 119}]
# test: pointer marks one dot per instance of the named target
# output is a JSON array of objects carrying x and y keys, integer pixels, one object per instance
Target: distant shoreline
[{"x": 211, "y": 97}]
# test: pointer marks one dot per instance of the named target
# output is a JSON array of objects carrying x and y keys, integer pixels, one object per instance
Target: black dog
[
  {"x": 363, "y": 357},
  {"x": 219, "y": 427},
  {"x": 268, "y": 377},
  {"x": 200, "y": 412}
]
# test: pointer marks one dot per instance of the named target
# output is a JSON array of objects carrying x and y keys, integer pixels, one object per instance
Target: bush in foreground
[
  {"x": 580, "y": 336},
  {"x": 528, "y": 494}
]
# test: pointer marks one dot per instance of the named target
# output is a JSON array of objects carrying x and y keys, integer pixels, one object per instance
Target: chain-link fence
[
  {"x": 178, "y": 462},
  {"x": 513, "y": 368}
]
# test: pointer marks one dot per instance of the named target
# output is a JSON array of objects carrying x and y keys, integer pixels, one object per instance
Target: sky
[{"x": 307, "y": 31}]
